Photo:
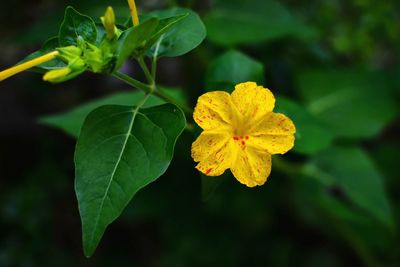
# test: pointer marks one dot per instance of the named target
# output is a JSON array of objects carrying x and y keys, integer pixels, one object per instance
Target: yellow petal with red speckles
[
  {"x": 214, "y": 110},
  {"x": 273, "y": 133},
  {"x": 273, "y": 124},
  {"x": 253, "y": 101},
  {"x": 215, "y": 152},
  {"x": 252, "y": 167},
  {"x": 273, "y": 144}
]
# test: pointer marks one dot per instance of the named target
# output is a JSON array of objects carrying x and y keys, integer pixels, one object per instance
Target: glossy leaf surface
[
  {"x": 74, "y": 25},
  {"x": 119, "y": 151}
]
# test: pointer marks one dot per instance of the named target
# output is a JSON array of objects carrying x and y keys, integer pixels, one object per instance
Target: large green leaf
[
  {"x": 133, "y": 41},
  {"x": 353, "y": 103},
  {"x": 119, "y": 151},
  {"x": 184, "y": 36},
  {"x": 231, "y": 68},
  {"x": 233, "y": 22},
  {"x": 311, "y": 135},
  {"x": 353, "y": 171},
  {"x": 74, "y": 25},
  {"x": 71, "y": 121}
]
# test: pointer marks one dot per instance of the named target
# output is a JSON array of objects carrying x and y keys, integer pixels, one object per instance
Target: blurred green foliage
[{"x": 332, "y": 201}]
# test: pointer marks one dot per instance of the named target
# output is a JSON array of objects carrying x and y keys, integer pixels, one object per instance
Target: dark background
[{"x": 283, "y": 223}]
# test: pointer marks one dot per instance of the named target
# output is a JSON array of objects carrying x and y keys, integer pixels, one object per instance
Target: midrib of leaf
[
  {"x": 128, "y": 134},
  {"x": 73, "y": 22},
  {"x": 177, "y": 19}
]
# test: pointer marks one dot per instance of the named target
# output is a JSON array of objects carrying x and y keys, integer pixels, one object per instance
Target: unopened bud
[
  {"x": 108, "y": 21},
  {"x": 57, "y": 75},
  {"x": 77, "y": 64}
]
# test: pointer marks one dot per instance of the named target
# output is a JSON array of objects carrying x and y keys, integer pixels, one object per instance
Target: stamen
[
  {"x": 134, "y": 13},
  {"x": 27, "y": 65}
]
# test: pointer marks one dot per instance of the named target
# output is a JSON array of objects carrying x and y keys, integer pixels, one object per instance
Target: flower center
[{"x": 241, "y": 140}]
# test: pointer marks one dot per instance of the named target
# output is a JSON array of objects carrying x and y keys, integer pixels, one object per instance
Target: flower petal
[
  {"x": 214, "y": 110},
  {"x": 273, "y": 124},
  {"x": 215, "y": 151},
  {"x": 252, "y": 167},
  {"x": 273, "y": 144},
  {"x": 253, "y": 101},
  {"x": 274, "y": 133}
]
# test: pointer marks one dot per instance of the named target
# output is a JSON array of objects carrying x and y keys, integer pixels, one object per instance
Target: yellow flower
[{"x": 240, "y": 133}]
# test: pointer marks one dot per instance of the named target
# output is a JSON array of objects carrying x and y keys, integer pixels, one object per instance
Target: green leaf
[
  {"x": 49, "y": 46},
  {"x": 72, "y": 120},
  {"x": 164, "y": 26},
  {"x": 311, "y": 135},
  {"x": 355, "y": 104},
  {"x": 119, "y": 151},
  {"x": 353, "y": 224},
  {"x": 133, "y": 40},
  {"x": 233, "y": 22},
  {"x": 185, "y": 35},
  {"x": 101, "y": 33},
  {"x": 231, "y": 68},
  {"x": 74, "y": 25},
  {"x": 353, "y": 171}
]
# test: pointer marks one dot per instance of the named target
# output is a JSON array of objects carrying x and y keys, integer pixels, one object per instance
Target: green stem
[
  {"x": 151, "y": 90},
  {"x": 146, "y": 71},
  {"x": 155, "y": 58},
  {"x": 132, "y": 82},
  {"x": 151, "y": 78},
  {"x": 188, "y": 111}
]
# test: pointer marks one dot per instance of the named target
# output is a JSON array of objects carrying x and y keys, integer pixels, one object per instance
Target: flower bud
[
  {"x": 68, "y": 53},
  {"x": 93, "y": 57},
  {"x": 77, "y": 64},
  {"x": 57, "y": 75},
  {"x": 108, "y": 21}
]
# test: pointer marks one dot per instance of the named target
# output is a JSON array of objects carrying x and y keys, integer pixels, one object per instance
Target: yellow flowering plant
[
  {"x": 240, "y": 133},
  {"x": 122, "y": 148}
]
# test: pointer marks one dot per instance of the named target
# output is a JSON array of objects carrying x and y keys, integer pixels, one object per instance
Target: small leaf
[
  {"x": 74, "y": 25},
  {"x": 119, "y": 151},
  {"x": 353, "y": 103},
  {"x": 311, "y": 135},
  {"x": 231, "y": 68},
  {"x": 185, "y": 35},
  {"x": 71, "y": 121},
  {"x": 233, "y": 22},
  {"x": 353, "y": 171},
  {"x": 133, "y": 41}
]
